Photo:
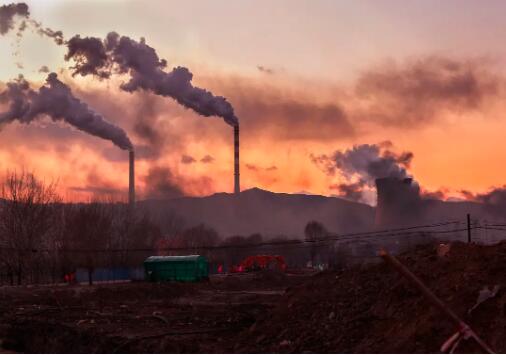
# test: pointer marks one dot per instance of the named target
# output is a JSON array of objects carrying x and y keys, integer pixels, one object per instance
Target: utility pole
[{"x": 468, "y": 228}]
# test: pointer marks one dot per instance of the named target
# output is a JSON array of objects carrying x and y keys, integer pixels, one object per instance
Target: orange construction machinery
[{"x": 260, "y": 262}]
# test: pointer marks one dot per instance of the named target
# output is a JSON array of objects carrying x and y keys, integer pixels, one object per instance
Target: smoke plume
[
  {"x": 370, "y": 162},
  {"x": 56, "y": 36},
  {"x": 7, "y": 14},
  {"x": 55, "y": 99},
  {"x": 361, "y": 165},
  {"x": 414, "y": 93},
  {"x": 122, "y": 55}
]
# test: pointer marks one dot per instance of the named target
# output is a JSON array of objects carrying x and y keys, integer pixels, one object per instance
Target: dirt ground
[
  {"x": 374, "y": 310},
  {"x": 138, "y": 317},
  {"x": 368, "y": 309}
]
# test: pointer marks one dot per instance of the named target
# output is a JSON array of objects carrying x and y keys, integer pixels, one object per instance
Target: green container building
[{"x": 190, "y": 268}]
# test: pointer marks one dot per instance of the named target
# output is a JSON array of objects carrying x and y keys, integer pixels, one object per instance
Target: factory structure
[
  {"x": 131, "y": 170},
  {"x": 398, "y": 203},
  {"x": 131, "y": 179},
  {"x": 237, "y": 184}
]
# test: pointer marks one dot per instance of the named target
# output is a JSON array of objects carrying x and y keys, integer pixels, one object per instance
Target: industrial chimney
[
  {"x": 131, "y": 180},
  {"x": 237, "y": 186},
  {"x": 399, "y": 202}
]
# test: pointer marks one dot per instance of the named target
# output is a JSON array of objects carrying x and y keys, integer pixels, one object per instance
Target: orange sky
[{"x": 409, "y": 97}]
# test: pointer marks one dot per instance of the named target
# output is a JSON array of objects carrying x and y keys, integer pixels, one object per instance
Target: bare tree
[
  {"x": 314, "y": 233},
  {"x": 90, "y": 226},
  {"x": 27, "y": 214}
]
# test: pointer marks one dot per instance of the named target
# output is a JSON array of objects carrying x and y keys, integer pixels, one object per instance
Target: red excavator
[{"x": 261, "y": 262}]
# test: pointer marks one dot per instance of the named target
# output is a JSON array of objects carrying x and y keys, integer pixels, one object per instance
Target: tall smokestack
[
  {"x": 131, "y": 180},
  {"x": 237, "y": 186}
]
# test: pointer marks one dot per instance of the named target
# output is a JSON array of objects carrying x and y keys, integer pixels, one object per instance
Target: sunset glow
[{"x": 301, "y": 86}]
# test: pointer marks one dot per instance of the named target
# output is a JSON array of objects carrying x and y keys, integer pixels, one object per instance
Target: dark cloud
[
  {"x": 468, "y": 195},
  {"x": 161, "y": 184},
  {"x": 434, "y": 195},
  {"x": 414, "y": 93},
  {"x": 44, "y": 69},
  {"x": 288, "y": 118},
  {"x": 252, "y": 167},
  {"x": 351, "y": 191},
  {"x": 97, "y": 186},
  {"x": 187, "y": 159},
  {"x": 207, "y": 159},
  {"x": 494, "y": 200},
  {"x": 265, "y": 70}
]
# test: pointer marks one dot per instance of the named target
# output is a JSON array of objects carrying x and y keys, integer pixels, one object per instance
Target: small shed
[{"x": 176, "y": 268}]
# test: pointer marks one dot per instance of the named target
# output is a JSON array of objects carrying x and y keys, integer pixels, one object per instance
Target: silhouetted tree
[
  {"x": 26, "y": 219},
  {"x": 90, "y": 226},
  {"x": 314, "y": 232}
]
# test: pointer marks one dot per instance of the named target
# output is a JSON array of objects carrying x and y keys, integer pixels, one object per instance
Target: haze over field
[{"x": 325, "y": 105}]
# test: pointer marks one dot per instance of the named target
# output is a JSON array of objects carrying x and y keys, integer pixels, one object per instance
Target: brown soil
[
  {"x": 137, "y": 317},
  {"x": 363, "y": 309},
  {"x": 375, "y": 310}
]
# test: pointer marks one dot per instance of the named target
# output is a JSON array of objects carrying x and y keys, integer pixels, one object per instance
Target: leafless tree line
[{"x": 42, "y": 239}]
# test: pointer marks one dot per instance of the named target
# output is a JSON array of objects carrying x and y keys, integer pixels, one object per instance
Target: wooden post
[
  {"x": 463, "y": 329},
  {"x": 468, "y": 228}
]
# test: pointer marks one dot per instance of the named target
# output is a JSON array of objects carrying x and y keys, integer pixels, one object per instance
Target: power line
[{"x": 364, "y": 236}]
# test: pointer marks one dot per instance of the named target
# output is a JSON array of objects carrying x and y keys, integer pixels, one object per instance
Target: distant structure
[
  {"x": 131, "y": 179},
  {"x": 237, "y": 186},
  {"x": 398, "y": 203}
]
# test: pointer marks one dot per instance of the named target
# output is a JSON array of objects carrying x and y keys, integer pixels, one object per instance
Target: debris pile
[{"x": 375, "y": 310}]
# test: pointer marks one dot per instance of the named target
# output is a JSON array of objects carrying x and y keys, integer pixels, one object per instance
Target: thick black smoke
[
  {"x": 361, "y": 165},
  {"x": 7, "y": 14},
  {"x": 122, "y": 55},
  {"x": 55, "y": 99}
]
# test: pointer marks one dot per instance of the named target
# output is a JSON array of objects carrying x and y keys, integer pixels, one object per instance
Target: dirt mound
[{"x": 375, "y": 310}]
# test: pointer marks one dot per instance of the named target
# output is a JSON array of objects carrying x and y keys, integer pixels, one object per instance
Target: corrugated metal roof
[{"x": 152, "y": 259}]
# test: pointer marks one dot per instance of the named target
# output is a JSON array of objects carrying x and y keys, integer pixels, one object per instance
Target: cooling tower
[
  {"x": 131, "y": 179},
  {"x": 237, "y": 186},
  {"x": 398, "y": 203}
]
